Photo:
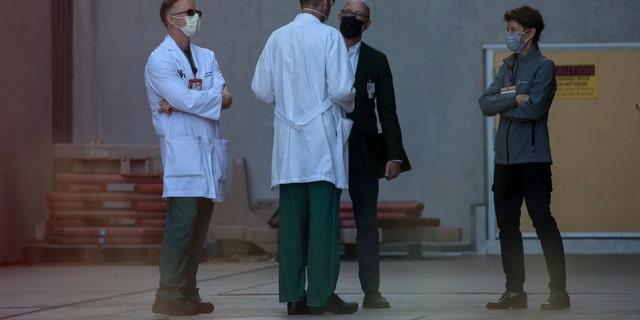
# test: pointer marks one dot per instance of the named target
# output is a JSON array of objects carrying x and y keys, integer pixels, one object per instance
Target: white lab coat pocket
[
  {"x": 183, "y": 156},
  {"x": 220, "y": 159}
]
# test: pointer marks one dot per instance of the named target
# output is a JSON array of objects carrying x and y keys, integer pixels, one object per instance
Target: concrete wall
[
  {"x": 435, "y": 51},
  {"x": 25, "y": 123},
  {"x": 434, "y": 47}
]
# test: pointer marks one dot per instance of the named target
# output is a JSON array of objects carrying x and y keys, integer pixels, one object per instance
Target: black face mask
[{"x": 350, "y": 27}]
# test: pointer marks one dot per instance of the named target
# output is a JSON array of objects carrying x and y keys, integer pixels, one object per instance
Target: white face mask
[
  {"x": 192, "y": 27},
  {"x": 318, "y": 12}
]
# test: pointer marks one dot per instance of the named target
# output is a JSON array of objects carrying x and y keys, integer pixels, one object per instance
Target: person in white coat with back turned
[
  {"x": 304, "y": 70},
  {"x": 186, "y": 93}
]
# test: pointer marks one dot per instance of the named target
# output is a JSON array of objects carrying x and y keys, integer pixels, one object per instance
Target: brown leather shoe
[
  {"x": 509, "y": 300},
  {"x": 557, "y": 300},
  {"x": 335, "y": 306}
]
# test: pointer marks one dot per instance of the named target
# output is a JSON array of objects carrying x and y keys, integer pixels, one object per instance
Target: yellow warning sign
[{"x": 576, "y": 82}]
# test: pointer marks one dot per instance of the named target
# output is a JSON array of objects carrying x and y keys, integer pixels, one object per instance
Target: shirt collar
[{"x": 355, "y": 49}]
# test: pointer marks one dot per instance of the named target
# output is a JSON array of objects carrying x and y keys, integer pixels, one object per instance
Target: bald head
[
  {"x": 357, "y": 5},
  {"x": 354, "y": 20}
]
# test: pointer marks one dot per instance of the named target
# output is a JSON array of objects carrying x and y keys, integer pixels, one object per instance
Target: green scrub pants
[
  {"x": 185, "y": 232},
  {"x": 309, "y": 235}
]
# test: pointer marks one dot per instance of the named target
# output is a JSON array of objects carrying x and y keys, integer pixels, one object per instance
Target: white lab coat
[
  {"x": 194, "y": 156},
  {"x": 305, "y": 71}
]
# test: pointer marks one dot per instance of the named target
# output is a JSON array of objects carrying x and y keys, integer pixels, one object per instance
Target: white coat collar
[
  {"x": 307, "y": 17},
  {"x": 171, "y": 46}
]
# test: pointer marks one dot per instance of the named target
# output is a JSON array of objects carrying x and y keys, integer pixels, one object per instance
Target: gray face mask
[{"x": 513, "y": 42}]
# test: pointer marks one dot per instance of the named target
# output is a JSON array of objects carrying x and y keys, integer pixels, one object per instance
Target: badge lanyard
[{"x": 195, "y": 83}]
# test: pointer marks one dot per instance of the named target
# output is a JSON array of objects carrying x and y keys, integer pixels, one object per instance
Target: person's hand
[
  {"x": 522, "y": 98},
  {"x": 227, "y": 99},
  {"x": 166, "y": 107},
  {"x": 392, "y": 170}
]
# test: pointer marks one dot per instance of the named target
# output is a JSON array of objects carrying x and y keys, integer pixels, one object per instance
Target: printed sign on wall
[{"x": 576, "y": 82}]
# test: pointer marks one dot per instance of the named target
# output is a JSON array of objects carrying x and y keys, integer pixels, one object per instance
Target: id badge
[
  {"x": 195, "y": 84},
  {"x": 510, "y": 89},
  {"x": 371, "y": 89}
]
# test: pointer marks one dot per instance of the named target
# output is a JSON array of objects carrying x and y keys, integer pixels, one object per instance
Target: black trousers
[
  {"x": 363, "y": 190},
  {"x": 530, "y": 182}
]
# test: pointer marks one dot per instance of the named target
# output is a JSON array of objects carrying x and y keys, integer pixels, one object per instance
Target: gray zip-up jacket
[{"x": 523, "y": 135}]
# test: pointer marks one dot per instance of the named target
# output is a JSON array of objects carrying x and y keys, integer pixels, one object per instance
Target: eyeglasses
[
  {"x": 190, "y": 13},
  {"x": 359, "y": 15}
]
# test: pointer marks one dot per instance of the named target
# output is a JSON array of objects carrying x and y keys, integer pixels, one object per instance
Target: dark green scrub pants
[
  {"x": 314, "y": 206},
  {"x": 185, "y": 232}
]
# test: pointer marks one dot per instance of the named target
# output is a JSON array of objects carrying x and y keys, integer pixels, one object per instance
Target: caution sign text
[{"x": 576, "y": 82}]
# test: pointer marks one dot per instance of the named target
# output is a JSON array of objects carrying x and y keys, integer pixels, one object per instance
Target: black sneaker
[
  {"x": 203, "y": 307},
  {"x": 176, "y": 307},
  {"x": 194, "y": 297}
]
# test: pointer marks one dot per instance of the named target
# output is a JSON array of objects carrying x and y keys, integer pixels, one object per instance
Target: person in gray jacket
[{"x": 521, "y": 94}]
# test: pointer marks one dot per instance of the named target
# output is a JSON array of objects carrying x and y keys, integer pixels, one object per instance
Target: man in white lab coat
[
  {"x": 186, "y": 93},
  {"x": 304, "y": 70}
]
